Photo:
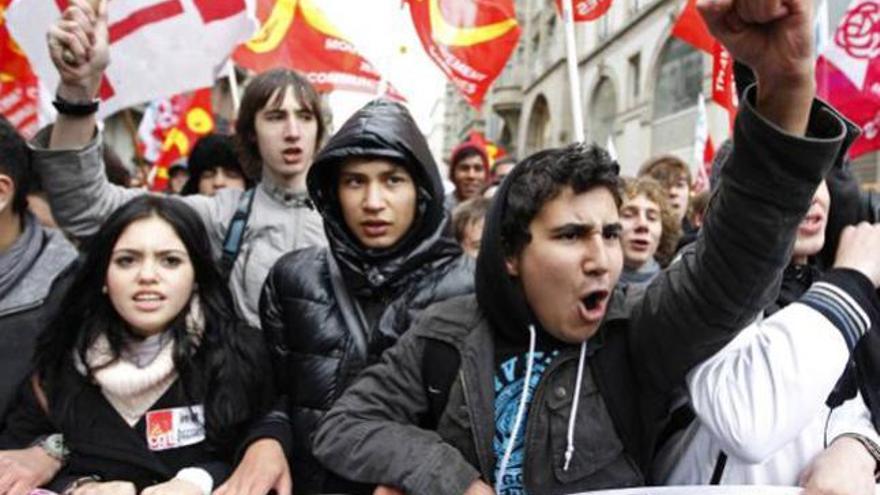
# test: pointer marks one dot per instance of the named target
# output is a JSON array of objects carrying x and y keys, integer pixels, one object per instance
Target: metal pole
[{"x": 574, "y": 80}]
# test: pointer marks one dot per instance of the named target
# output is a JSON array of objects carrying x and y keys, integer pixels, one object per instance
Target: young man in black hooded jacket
[
  {"x": 547, "y": 314},
  {"x": 330, "y": 312}
]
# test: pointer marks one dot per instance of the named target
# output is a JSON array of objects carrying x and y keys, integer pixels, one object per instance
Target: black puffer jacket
[{"x": 318, "y": 337}]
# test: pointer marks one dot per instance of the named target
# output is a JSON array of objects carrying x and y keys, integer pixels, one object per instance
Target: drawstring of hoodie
[
  {"x": 520, "y": 412},
  {"x": 569, "y": 449}
]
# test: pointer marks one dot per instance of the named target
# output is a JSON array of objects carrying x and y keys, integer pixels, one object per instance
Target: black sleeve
[
  {"x": 26, "y": 422},
  {"x": 695, "y": 307}
]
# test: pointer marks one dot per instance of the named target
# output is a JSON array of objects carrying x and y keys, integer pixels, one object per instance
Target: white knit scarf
[{"x": 130, "y": 389}]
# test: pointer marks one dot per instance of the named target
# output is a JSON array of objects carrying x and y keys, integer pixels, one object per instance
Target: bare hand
[
  {"x": 173, "y": 487},
  {"x": 858, "y": 250},
  {"x": 844, "y": 468},
  {"x": 23, "y": 470},
  {"x": 479, "y": 487},
  {"x": 106, "y": 488},
  {"x": 387, "y": 490},
  {"x": 81, "y": 32},
  {"x": 263, "y": 468}
]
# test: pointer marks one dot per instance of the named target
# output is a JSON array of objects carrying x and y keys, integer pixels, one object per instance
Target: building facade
[{"x": 639, "y": 87}]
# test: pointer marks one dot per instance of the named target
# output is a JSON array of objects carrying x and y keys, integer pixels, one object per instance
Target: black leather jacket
[{"x": 329, "y": 313}]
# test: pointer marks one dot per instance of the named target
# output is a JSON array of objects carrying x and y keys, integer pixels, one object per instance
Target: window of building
[
  {"x": 603, "y": 110},
  {"x": 635, "y": 76},
  {"x": 679, "y": 78},
  {"x": 538, "y": 137}
]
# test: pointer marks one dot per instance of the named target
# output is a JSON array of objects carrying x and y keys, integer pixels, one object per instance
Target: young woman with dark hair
[{"x": 146, "y": 372}]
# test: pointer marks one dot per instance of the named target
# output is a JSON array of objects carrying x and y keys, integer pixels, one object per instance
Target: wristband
[{"x": 75, "y": 108}]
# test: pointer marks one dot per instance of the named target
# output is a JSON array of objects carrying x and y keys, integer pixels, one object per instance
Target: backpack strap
[
  {"x": 235, "y": 232},
  {"x": 440, "y": 364}
]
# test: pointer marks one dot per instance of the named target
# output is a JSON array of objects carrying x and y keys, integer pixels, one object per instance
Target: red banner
[
  {"x": 19, "y": 92},
  {"x": 586, "y": 10},
  {"x": 296, "y": 34},
  {"x": 194, "y": 121},
  {"x": 691, "y": 28},
  {"x": 722, "y": 80},
  {"x": 470, "y": 40},
  {"x": 848, "y": 72}
]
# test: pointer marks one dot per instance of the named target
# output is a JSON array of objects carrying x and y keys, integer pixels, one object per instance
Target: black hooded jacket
[{"x": 329, "y": 313}]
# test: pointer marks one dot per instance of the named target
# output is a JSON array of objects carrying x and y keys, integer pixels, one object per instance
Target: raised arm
[{"x": 784, "y": 143}]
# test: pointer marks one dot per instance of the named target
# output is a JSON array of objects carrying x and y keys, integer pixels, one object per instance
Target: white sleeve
[
  {"x": 765, "y": 386},
  {"x": 852, "y": 416}
]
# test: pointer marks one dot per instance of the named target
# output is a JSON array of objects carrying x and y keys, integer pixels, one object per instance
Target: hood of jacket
[
  {"x": 382, "y": 129},
  {"x": 499, "y": 295}
]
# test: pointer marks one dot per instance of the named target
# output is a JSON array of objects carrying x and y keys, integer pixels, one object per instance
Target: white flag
[
  {"x": 821, "y": 26},
  {"x": 157, "y": 47},
  {"x": 609, "y": 146}
]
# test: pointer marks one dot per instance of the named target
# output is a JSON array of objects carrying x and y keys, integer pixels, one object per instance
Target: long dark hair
[{"x": 228, "y": 365}]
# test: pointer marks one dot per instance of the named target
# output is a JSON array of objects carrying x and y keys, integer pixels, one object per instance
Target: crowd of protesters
[{"x": 305, "y": 313}]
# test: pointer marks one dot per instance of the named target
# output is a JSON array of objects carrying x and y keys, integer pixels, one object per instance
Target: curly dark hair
[{"x": 579, "y": 166}]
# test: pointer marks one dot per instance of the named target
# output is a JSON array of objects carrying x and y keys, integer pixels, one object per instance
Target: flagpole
[
  {"x": 233, "y": 88},
  {"x": 574, "y": 80}
]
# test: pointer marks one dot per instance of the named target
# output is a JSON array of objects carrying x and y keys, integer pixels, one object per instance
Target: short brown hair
[
  {"x": 666, "y": 169},
  {"x": 263, "y": 88},
  {"x": 467, "y": 213},
  {"x": 655, "y": 192}
]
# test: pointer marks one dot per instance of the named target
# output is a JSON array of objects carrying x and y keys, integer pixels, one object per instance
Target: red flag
[
  {"x": 297, "y": 34},
  {"x": 848, "y": 72},
  {"x": 493, "y": 151},
  {"x": 470, "y": 40},
  {"x": 19, "y": 91},
  {"x": 194, "y": 121},
  {"x": 586, "y": 10},
  {"x": 691, "y": 28},
  {"x": 722, "y": 80}
]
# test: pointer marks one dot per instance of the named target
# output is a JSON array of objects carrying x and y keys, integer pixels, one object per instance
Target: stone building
[{"x": 639, "y": 87}]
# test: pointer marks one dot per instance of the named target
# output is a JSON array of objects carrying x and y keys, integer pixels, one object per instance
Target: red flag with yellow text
[
  {"x": 194, "y": 121},
  {"x": 19, "y": 91},
  {"x": 470, "y": 40},
  {"x": 297, "y": 34}
]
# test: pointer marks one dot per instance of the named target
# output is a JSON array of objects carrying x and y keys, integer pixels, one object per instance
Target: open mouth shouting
[
  {"x": 292, "y": 154},
  {"x": 592, "y": 306}
]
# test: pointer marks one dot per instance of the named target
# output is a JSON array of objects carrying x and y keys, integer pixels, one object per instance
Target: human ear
[
  {"x": 512, "y": 265},
  {"x": 7, "y": 191}
]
